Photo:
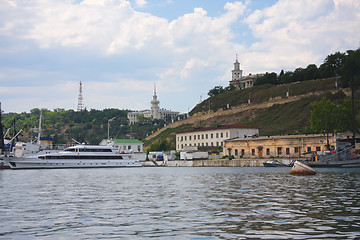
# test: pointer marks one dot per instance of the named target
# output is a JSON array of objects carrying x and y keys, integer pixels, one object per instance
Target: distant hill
[
  {"x": 270, "y": 108},
  {"x": 88, "y": 126}
]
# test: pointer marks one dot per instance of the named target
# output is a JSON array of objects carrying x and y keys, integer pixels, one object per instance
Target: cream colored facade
[
  {"x": 212, "y": 136},
  {"x": 291, "y": 146},
  {"x": 154, "y": 113},
  {"x": 240, "y": 81}
]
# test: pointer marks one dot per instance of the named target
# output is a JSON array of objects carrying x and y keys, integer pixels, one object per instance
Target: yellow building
[{"x": 290, "y": 146}]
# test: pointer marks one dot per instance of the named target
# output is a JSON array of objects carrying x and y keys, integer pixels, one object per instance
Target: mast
[
  {"x": 39, "y": 133},
  {"x": 2, "y": 145}
]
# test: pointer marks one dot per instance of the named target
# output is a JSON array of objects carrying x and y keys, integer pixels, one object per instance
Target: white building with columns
[{"x": 154, "y": 113}]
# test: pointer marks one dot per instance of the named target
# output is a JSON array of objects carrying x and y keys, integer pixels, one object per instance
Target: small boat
[
  {"x": 345, "y": 158},
  {"x": 274, "y": 163},
  {"x": 79, "y": 156},
  {"x": 302, "y": 169}
]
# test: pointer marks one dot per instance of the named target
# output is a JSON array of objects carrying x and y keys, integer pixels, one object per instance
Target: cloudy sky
[{"x": 120, "y": 48}]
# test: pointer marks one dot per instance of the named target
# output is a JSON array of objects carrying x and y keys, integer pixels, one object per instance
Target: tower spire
[
  {"x": 80, "y": 99},
  {"x": 154, "y": 88}
]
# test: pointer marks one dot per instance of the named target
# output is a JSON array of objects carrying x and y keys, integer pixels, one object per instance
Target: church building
[
  {"x": 240, "y": 81},
  {"x": 154, "y": 113}
]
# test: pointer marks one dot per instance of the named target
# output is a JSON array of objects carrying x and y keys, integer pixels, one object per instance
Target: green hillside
[
  {"x": 286, "y": 118},
  {"x": 262, "y": 93}
]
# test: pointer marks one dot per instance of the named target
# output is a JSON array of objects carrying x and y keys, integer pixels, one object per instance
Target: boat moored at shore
[{"x": 79, "y": 156}]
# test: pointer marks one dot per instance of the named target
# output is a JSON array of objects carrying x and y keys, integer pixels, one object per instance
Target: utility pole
[{"x": 353, "y": 109}]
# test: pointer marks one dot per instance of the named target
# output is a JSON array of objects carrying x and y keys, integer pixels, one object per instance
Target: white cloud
[
  {"x": 295, "y": 33},
  {"x": 191, "y": 53},
  {"x": 140, "y": 3}
]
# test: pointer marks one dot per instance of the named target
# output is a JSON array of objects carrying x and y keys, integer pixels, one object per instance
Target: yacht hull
[{"x": 18, "y": 163}]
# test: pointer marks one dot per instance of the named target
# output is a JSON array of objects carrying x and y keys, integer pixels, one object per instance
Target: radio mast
[{"x": 80, "y": 105}]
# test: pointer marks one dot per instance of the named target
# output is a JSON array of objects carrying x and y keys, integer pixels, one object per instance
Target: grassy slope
[
  {"x": 290, "y": 118},
  {"x": 263, "y": 93}
]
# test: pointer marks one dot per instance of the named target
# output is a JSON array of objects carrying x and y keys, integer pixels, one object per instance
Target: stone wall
[{"x": 219, "y": 163}]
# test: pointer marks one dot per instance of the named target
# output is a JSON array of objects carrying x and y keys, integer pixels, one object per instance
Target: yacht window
[{"x": 70, "y": 150}]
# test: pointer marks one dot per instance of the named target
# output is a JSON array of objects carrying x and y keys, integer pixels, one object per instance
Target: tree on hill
[
  {"x": 351, "y": 76},
  {"x": 267, "y": 78},
  {"x": 329, "y": 117},
  {"x": 332, "y": 65},
  {"x": 215, "y": 91}
]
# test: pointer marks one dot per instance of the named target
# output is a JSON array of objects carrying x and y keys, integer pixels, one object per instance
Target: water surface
[{"x": 179, "y": 203}]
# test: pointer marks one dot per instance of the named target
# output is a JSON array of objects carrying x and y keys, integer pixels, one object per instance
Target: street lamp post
[{"x": 111, "y": 119}]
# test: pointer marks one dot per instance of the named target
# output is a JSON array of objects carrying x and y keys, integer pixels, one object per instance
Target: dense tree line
[
  {"x": 342, "y": 65},
  {"x": 219, "y": 89},
  {"x": 335, "y": 65},
  {"x": 84, "y": 126}
]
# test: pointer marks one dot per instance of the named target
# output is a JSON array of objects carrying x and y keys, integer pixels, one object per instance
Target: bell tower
[
  {"x": 155, "y": 109},
  {"x": 236, "y": 73}
]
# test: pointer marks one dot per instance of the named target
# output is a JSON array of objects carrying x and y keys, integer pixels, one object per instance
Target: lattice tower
[{"x": 80, "y": 99}]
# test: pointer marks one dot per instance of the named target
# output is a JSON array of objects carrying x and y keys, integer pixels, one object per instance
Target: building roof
[
  {"x": 230, "y": 126},
  {"x": 123, "y": 140},
  {"x": 259, "y": 138}
]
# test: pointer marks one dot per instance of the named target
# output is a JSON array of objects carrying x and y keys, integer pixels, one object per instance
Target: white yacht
[{"x": 79, "y": 156}]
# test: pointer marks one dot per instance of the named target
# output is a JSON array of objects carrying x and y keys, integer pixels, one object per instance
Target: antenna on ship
[
  {"x": 80, "y": 105},
  {"x": 2, "y": 146},
  {"x": 39, "y": 129}
]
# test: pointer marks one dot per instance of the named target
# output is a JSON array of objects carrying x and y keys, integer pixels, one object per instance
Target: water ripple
[{"x": 173, "y": 203}]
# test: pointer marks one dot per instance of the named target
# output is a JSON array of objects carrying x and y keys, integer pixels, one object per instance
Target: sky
[{"x": 119, "y": 49}]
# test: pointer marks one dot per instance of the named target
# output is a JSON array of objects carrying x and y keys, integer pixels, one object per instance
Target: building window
[
  {"x": 318, "y": 149},
  {"x": 194, "y": 137},
  {"x": 221, "y": 135},
  {"x": 189, "y": 138},
  {"x": 226, "y": 134},
  {"x": 212, "y": 135},
  {"x": 212, "y": 144},
  {"x": 217, "y": 135},
  {"x": 217, "y": 144},
  {"x": 309, "y": 149},
  {"x": 222, "y": 143},
  {"x": 202, "y": 136},
  {"x": 242, "y": 152},
  {"x": 202, "y": 144},
  {"x": 206, "y": 144},
  {"x": 296, "y": 149},
  {"x": 253, "y": 152},
  {"x": 236, "y": 152},
  {"x": 268, "y": 151},
  {"x": 182, "y": 145},
  {"x": 279, "y": 150},
  {"x": 206, "y": 136},
  {"x": 287, "y": 151},
  {"x": 199, "y": 136},
  {"x": 185, "y": 138}
]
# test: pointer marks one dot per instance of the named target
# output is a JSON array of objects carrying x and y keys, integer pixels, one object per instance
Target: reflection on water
[{"x": 190, "y": 203}]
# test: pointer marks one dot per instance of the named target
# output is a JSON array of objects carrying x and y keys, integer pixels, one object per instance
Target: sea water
[{"x": 179, "y": 203}]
